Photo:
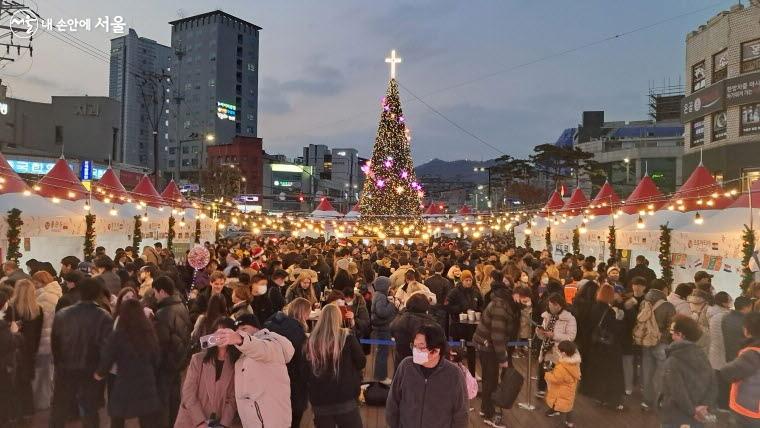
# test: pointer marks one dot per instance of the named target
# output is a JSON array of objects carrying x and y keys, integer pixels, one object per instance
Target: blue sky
[{"x": 322, "y": 72}]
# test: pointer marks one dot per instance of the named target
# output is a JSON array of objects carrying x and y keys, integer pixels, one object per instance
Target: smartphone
[{"x": 209, "y": 341}]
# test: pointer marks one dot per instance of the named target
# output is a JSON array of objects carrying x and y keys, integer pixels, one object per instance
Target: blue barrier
[{"x": 385, "y": 342}]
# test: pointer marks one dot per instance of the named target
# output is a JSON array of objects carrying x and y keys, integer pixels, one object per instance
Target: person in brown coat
[{"x": 208, "y": 393}]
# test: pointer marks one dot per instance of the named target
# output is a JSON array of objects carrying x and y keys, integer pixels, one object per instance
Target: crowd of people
[{"x": 271, "y": 327}]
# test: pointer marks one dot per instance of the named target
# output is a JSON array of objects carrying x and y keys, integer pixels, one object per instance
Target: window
[
  {"x": 187, "y": 124},
  {"x": 720, "y": 66},
  {"x": 719, "y": 125},
  {"x": 750, "y": 119},
  {"x": 195, "y": 149},
  {"x": 212, "y": 82},
  {"x": 59, "y": 134},
  {"x": 194, "y": 162},
  {"x": 172, "y": 150},
  {"x": 698, "y": 76},
  {"x": 697, "y": 132},
  {"x": 172, "y": 164},
  {"x": 251, "y": 67},
  {"x": 750, "y": 56}
]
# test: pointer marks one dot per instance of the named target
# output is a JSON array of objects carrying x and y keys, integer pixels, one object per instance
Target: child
[
  {"x": 562, "y": 382},
  {"x": 455, "y": 356}
]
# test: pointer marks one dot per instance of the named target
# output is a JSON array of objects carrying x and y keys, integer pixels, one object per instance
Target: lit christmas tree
[{"x": 391, "y": 193}]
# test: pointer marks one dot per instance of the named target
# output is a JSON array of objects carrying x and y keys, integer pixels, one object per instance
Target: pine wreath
[
  {"x": 89, "y": 237},
  {"x": 527, "y": 241},
  {"x": 612, "y": 241},
  {"x": 748, "y": 248},
  {"x": 511, "y": 240},
  {"x": 198, "y": 231},
  {"x": 548, "y": 237},
  {"x": 576, "y": 241},
  {"x": 14, "y": 234},
  {"x": 171, "y": 234},
  {"x": 137, "y": 234},
  {"x": 665, "y": 260}
]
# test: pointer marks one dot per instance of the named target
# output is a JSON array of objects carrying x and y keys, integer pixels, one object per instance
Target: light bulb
[
  {"x": 27, "y": 193},
  {"x": 182, "y": 222},
  {"x": 698, "y": 218},
  {"x": 640, "y": 223},
  {"x": 86, "y": 206},
  {"x": 113, "y": 211},
  {"x": 55, "y": 200},
  {"x": 144, "y": 218}
]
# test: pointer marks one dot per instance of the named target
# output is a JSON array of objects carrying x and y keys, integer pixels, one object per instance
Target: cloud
[
  {"x": 273, "y": 99},
  {"x": 319, "y": 81}
]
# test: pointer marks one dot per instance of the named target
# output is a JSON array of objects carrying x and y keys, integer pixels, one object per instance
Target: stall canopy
[
  {"x": 354, "y": 212},
  {"x": 109, "y": 186},
  {"x": 325, "y": 209},
  {"x": 60, "y": 182},
  {"x": 646, "y": 196},
  {"x": 700, "y": 192},
  {"x": 578, "y": 201},
  {"x": 435, "y": 208},
  {"x": 554, "y": 204},
  {"x": 605, "y": 201},
  {"x": 145, "y": 192},
  {"x": 465, "y": 210},
  {"x": 743, "y": 201},
  {"x": 174, "y": 197},
  {"x": 10, "y": 182}
]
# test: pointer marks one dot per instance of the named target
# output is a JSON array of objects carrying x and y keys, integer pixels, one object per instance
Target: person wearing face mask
[
  {"x": 261, "y": 303},
  {"x": 558, "y": 324},
  {"x": 464, "y": 297},
  {"x": 428, "y": 389}
]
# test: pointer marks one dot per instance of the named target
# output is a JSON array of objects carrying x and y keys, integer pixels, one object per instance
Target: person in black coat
[
  {"x": 292, "y": 325},
  {"x": 732, "y": 327},
  {"x": 642, "y": 270},
  {"x": 441, "y": 287},
  {"x": 10, "y": 340},
  {"x": 405, "y": 326},
  {"x": 604, "y": 373},
  {"x": 261, "y": 303},
  {"x": 132, "y": 352},
  {"x": 464, "y": 297}
]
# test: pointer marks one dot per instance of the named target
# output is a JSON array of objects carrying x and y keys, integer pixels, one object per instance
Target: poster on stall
[
  {"x": 679, "y": 260},
  {"x": 712, "y": 262}
]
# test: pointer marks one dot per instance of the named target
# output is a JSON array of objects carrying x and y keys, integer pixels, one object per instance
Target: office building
[
  {"x": 214, "y": 74},
  {"x": 134, "y": 60},
  {"x": 337, "y": 172},
  {"x": 245, "y": 154},
  {"x": 721, "y": 111},
  {"x": 286, "y": 185}
]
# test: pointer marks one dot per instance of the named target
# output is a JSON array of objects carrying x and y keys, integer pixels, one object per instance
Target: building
[
  {"x": 721, "y": 111},
  {"x": 214, "y": 73},
  {"x": 337, "y": 173},
  {"x": 81, "y": 127},
  {"x": 628, "y": 150},
  {"x": 245, "y": 154},
  {"x": 286, "y": 185},
  {"x": 135, "y": 60}
]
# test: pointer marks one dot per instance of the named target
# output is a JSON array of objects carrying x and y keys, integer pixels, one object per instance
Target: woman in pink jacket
[{"x": 209, "y": 389}]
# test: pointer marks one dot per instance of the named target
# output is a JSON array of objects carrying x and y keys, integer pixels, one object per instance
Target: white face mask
[
  {"x": 261, "y": 289},
  {"x": 420, "y": 357},
  {"x": 544, "y": 281},
  {"x": 341, "y": 302}
]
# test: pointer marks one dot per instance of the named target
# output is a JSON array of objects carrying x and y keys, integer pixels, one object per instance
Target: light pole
[
  {"x": 483, "y": 169},
  {"x": 627, "y": 162}
]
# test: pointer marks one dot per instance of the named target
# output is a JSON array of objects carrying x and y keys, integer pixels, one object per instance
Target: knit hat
[
  {"x": 257, "y": 252},
  {"x": 611, "y": 268},
  {"x": 248, "y": 319},
  {"x": 382, "y": 283},
  {"x": 465, "y": 274}
]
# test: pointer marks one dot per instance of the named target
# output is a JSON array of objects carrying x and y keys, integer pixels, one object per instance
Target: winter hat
[
  {"x": 611, "y": 268},
  {"x": 257, "y": 252},
  {"x": 466, "y": 274},
  {"x": 382, "y": 283},
  {"x": 342, "y": 264},
  {"x": 248, "y": 319}
]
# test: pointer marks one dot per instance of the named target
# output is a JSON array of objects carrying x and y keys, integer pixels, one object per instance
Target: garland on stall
[
  {"x": 14, "y": 234},
  {"x": 197, "y": 231},
  {"x": 612, "y": 241},
  {"x": 748, "y": 249},
  {"x": 217, "y": 233},
  {"x": 576, "y": 241},
  {"x": 511, "y": 240},
  {"x": 171, "y": 234},
  {"x": 137, "y": 234},
  {"x": 548, "y": 237},
  {"x": 665, "y": 260},
  {"x": 89, "y": 237}
]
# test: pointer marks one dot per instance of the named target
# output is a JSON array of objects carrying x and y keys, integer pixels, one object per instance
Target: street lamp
[
  {"x": 194, "y": 136},
  {"x": 627, "y": 162}
]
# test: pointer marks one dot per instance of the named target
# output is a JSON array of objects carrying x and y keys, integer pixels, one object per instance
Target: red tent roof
[
  {"x": 699, "y": 187},
  {"x": 173, "y": 196},
  {"x": 743, "y": 200},
  {"x": 465, "y": 210},
  {"x": 10, "y": 182},
  {"x": 109, "y": 186},
  {"x": 355, "y": 208},
  {"x": 325, "y": 205},
  {"x": 434, "y": 208},
  {"x": 578, "y": 201},
  {"x": 145, "y": 192},
  {"x": 60, "y": 182},
  {"x": 554, "y": 204},
  {"x": 644, "y": 195},
  {"x": 606, "y": 196}
]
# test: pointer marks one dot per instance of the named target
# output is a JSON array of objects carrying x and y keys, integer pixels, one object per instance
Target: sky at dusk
[{"x": 322, "y": 70}]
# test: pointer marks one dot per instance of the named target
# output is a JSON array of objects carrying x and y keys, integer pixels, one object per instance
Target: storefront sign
[
  {"x": 743, "y": 89},
  {"x": 702, "y": 103}
]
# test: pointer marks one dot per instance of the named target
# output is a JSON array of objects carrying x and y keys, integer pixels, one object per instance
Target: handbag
[
  {"x": 376, "y": 394},
  {"x": 509, "y": 387},
  {"x": 602, "y": 335}
]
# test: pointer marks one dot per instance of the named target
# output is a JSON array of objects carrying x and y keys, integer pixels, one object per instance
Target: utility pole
[
  {"x": 153, "y": 90},
  {"x": 178, "y": 98},
  {"x": 21, "y": 22}
]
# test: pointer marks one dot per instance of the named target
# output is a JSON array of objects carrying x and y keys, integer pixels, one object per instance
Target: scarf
[{"x": 548, "y": 342}]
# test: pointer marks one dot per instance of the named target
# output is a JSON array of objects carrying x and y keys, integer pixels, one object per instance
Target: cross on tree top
[{"x": 393, "y": 60}]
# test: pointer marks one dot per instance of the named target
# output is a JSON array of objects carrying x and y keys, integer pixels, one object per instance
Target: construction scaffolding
[{"x": 665, "y": 100}]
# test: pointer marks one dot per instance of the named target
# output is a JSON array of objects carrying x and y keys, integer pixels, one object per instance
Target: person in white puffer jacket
[
  {"x": 715, "y": 314},
  {"x": 48, "y": 292}
]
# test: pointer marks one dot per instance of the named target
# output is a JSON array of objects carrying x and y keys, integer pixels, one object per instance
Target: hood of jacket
[
  {"x": 653, "y": 296},
  {"x": 52, "y": 288},
  {"x": 573, "y": 359},
  {"x": 382, "y": 283},
  {"x": 689, "y": 355},
  {"x": 500, "y": 291},
  {"x": 284, "y": 325}
]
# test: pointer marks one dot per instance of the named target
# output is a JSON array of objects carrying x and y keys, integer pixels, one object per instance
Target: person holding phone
[
  {"x": 208, "y": 393},
  {"x": 558, "y": 325}
]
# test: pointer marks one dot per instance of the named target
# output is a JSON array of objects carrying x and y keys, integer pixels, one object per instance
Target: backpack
[
  {"x": 470, "y": 382},
  {"x": 646, "y": 332}
]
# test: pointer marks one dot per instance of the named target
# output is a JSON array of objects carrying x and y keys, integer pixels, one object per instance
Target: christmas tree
[{"x": 391, "y": 193}]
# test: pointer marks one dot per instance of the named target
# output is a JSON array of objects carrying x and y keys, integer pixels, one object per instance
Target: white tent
[{"x": 325, "y": 210}]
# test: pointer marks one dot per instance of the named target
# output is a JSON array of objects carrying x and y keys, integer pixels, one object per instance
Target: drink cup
[
  {"x": 471, "y": 315},
  {"x": 463, "y": 317}
]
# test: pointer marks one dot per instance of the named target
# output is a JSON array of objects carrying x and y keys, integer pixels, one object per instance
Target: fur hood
[{"x": 573, "y": 359}]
